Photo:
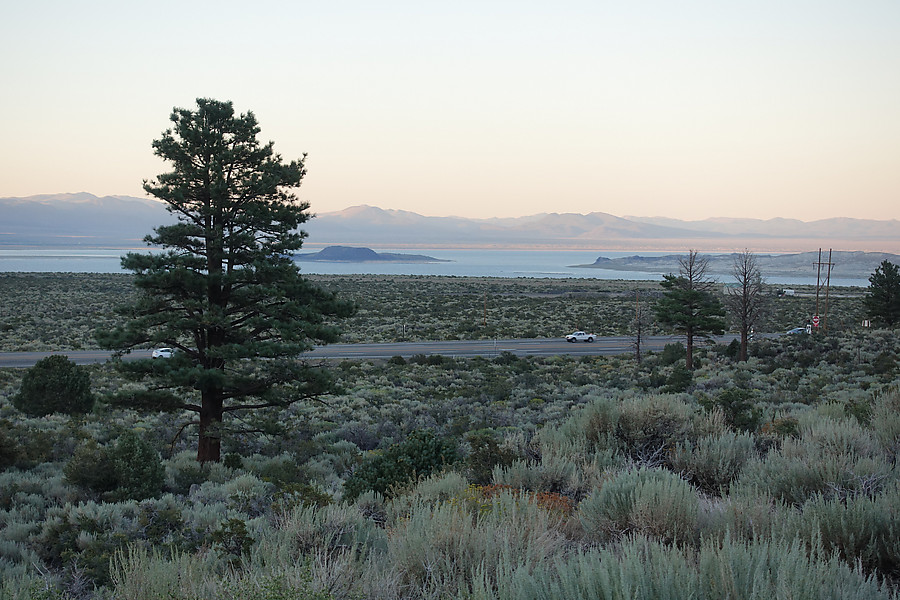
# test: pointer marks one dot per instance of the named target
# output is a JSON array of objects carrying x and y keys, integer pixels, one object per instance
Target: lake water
[{"x": 464, "y": 263}]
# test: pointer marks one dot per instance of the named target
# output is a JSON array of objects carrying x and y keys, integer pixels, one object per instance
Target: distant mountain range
[
  {"x": 79, "y": 220},
  {"x": 123, "y": 221}
]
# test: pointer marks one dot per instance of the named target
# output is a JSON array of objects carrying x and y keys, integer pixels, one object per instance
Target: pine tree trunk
[
  {"x": 689, "y": 354},
  {"x": 209, "y": 446}
]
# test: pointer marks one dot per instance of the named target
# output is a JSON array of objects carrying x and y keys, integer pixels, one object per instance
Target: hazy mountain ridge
[
  {"x": 542, "y": 228},
  {"x": 116, "y": 221},
  {"x": 843, "y": 227},
  {"x": 79, "y": 219}
]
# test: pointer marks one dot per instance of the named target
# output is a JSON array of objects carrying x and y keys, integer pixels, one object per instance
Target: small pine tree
[
  {"x": 883, "y": 294},
  {"x": 138, "y": 467},
  {"x": 688, "y": 304},
  {"x": 54, "y": 385}
]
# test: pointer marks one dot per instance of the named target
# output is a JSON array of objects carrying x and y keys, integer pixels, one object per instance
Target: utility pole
[
  {"x": 819, "y": 265},
  {"x": 638, "y": 325},
  {"x": 827, "y": 289},
  {"x": 818, "y": 278}
]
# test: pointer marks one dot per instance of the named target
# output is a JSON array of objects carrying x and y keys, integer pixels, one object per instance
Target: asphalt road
[{"x": 467, "y": 348}]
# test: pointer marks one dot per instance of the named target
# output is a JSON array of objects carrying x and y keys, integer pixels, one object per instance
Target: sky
[{"x": 687, "y": 109}]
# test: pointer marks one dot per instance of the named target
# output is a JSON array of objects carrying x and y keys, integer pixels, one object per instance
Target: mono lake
[{"x": 463, "y": 263}]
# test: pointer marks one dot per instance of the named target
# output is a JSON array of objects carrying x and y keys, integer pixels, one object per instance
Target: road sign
[{"x": 815, "y": 320}]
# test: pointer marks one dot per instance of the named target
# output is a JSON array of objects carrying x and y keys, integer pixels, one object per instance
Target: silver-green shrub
[
  {"x": 438, "y": 546},
  {"x": 652, "y": 502},
  {"x": 832, "y": 457},
  {"x": 649, "y": 570},
  {"x": 885, "y": 421},
  {"x": 863, "y": 530},
  {"x": 713, "y": 462}
]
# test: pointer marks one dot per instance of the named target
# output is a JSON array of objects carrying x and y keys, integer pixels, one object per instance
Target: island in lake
[
  {"x": 352, "y": 254},
  {"x": 844, "y": 264}
]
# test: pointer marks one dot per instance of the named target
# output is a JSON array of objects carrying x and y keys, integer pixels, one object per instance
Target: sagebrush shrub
[
  {"x": 885, "y": 422},
  {"x": 863, "y": 530},
  {"x": 645, "y": 569},
  {"x": 834, "y": 458},
  {"x": 437, "y": 546},
  {"x": 552, "y": 473},
  {"x": 652, "y": 502},
  {"x": 649, "y": 427},
  {"x": 712, "y": 463}
]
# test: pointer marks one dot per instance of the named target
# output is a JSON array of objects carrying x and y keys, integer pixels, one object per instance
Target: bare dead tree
[
  {"x": 694, "y": 267},
  {"x": 745, "y": 301}
]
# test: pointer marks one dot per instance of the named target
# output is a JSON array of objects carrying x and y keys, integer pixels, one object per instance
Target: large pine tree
[
  {"x": 224, "y": 291},
  {"x": 688, "y": 304}
]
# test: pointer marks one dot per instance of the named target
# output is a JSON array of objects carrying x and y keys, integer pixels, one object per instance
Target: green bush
[
  {"x": 232, "y": 541},
  {"x": 54, "y": 385},
  {"x": 92, "y": 468},
  {"x": 130, "y": 470},
  {"x": 10, "y": 450},
  {"x": 739, "y": 408},
  {"x": 733, "y": 349},
  {"x": 420, "y": 455},
  {"x": 679, "y": 380},
  {"x": 138, "y": 467},
  {"x": 484, "y": 454},
  {"x": 29, "y": 444},
  {"x": 427, "y": 359},
  {"x": 885, "y": 364},
  {"x": 672, "y": 353}
]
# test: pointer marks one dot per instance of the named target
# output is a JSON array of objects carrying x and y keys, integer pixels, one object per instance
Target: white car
[
  {"x": 580, "y": 336},
  {"x": 162, "y": 353}
]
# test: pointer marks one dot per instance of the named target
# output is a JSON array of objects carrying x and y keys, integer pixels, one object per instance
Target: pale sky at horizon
[{"x": 478, "y": 109}]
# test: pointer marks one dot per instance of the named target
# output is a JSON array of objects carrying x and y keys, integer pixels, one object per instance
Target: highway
[{"x": 456, "y": 348}]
